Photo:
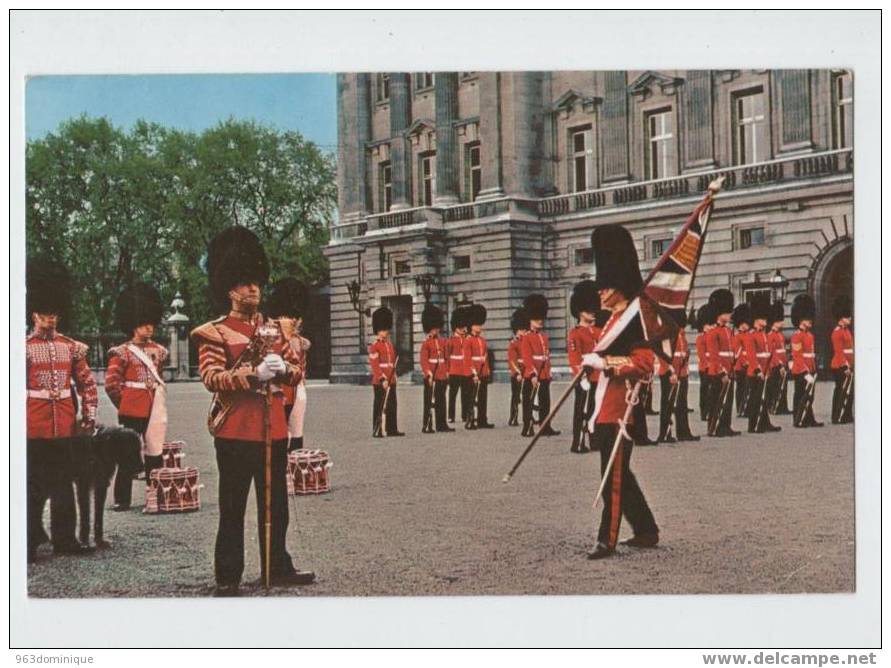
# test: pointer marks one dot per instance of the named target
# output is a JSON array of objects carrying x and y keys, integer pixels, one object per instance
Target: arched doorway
[{"x": 833, "y": 276}]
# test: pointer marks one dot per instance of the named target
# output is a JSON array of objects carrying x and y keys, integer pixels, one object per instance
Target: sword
[{"x": 632, "y": 399}]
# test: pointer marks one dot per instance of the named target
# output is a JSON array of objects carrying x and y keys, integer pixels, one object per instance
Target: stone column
[
  {"x": 446, "y": 101},
  {"x": 353, "y": 132},
  {"x": 795, "y": 112},
  {"x": 614, "y": 126},
  {"x": 178, "y": 330},
  {"x": 490, "y": 135},
  {"x": 522, "y": 139},
  {"x": 400, "y": 152},
  {"x": 699, "y": 140}
]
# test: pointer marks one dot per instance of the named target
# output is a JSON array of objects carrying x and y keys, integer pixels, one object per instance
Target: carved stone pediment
[
  {"x": 572, "y": 101},
  {"x": 422, "y": 133},
  {"x": 644, "y": 85}
]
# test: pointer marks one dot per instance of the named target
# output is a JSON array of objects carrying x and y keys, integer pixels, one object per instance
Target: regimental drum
[
  {"x": 308, "y": 472},
  {"x": 173, "y": 491},
  {"x": 172, "y": 454}
]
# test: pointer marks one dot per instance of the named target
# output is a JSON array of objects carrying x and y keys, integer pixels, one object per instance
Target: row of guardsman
[{"x": 742, "y": 355}]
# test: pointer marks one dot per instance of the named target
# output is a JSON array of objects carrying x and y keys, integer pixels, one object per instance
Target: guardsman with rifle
[
  {"x": 584, "y": 304},
  {"x": 535, "y": 352},
  {"x": 434, "y": 366},
  {"x": 134, "y": 384},
  {"x": 459, "y": 374},
  {"x": 674, "y": 388},
  {"x": 618, "y": 280},
  {"x": 244, "y": 360},
  {"x": 55, "y": 365},
  {"x": 758, "y": 367},
  {"x": 721, "y": 359},
  {"x": 476, "y": 358},
  {"x": 742, "y": 323},
  {"x": 519, "y": 324},
  {"x": 779, "y": 362},
  {"x": 842, "y": 362},
  {"x": 704, "y": 322},
  {"x": 804, "y": 363},
  {"x": 382, "y": 360}
]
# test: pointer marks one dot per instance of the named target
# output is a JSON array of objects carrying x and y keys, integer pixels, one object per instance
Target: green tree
[{"x": 118, "y": 206}]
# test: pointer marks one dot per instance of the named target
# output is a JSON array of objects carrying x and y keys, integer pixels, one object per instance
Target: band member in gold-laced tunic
[{"x": 245, "y": 368}]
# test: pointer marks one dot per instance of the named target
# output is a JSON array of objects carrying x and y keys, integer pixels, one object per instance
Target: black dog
[{"x": 95, "y": 460}]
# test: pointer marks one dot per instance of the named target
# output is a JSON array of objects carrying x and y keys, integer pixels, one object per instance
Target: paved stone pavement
[{"x": 428, "y": 514}]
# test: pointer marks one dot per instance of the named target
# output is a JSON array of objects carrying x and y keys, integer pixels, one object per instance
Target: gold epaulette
[{"x": 208, "y": 331}]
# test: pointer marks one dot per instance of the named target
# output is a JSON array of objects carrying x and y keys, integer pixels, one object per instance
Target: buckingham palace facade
[{"x": 485, "y": 186}]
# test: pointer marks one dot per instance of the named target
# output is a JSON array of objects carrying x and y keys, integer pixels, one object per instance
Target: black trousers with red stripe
[{"x": 621, "y": 494}]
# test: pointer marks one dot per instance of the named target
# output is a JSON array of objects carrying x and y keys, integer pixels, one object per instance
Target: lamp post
[
  {"x": 178, "y": 329},
  {"x": 354, "y": 288},
  {"x": 425, "y": 283}
]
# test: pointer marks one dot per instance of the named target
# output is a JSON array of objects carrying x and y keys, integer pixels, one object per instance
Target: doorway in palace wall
[
  {"x": 833, "y": 276},
  {"x": 401, "y": 306}
]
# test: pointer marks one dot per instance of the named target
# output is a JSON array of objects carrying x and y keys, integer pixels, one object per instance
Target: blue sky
[{"x": 304, "y": 102}]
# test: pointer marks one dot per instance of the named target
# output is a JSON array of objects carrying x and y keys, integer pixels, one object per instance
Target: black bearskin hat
[
  {"x": 705, "y": 316},
  {"x": 761, "y": 307},
  {"x": 48, "y": 288},
  {"x": 476, "y": 314},
  {"x": 536, "y": 306},
  {"x": 584, "y": 298},
  {"x": 519, "y": 320},
  {"x": 615, "y": 260},
  {"x": 841, "y": 307},
  {"x": 432, "y": 318},
  {"x": 742, "y": 315},
  {"x": 803, "y": 308},
  {"x": 721, "y": 301},
  {"x": 287, "y": 298},
  {"x": 234, "y": 257},
  {"x": 459, "y": 318},
  {"x": 382, "y": 319},
  {"x": 680, "y": 317},
  {"x": 778, "y": 312},
  {"x": 138, "y": 305},
  {"x": 602, "y": 318}
]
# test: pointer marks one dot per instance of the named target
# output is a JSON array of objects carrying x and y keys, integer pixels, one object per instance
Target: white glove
[
  {"x": 276, "y": 363},
  {"x": 270, "y": 367},
  {"x": 809, "y": 378},
  {"x": 594, "y": 361},
  {"x": 585, "y": 384},
  {"x": 790, "y": 365}
]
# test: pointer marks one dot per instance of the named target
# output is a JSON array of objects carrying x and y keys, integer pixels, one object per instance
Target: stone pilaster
[
  {"x": 446, "y": 101},
  {"x": 353, "y": 131},
  {"x": 490, "y": 135},
  {"x": 400, "y": 153},
  {"x": 614, "y": 127}
]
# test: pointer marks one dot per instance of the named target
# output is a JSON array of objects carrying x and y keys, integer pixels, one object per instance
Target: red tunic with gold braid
[
  {"x": 536, "y": 355},
  {"x": 581, "y": 341},
  {"x": 637, "y": 365},
  {"x": 128, "y": 383},
  {"x": 220, "y": 343},
  {"x": 53, "y": 361},
  {"x": 299, "y": 345}
]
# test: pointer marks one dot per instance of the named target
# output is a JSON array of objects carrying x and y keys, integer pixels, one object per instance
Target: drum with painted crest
[
  {"x": 172, "y": 454},
  {"x": 173, "y": 490},
  {"x": 308, "y": 472}
]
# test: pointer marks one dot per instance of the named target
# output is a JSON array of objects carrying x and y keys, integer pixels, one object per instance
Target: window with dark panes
[
  {"x": 658, "y": 247},
  {"x": 582, "y": 158},
  {"x": 751, "y": 132},
  {"x": 752, "y": 236},
  {"x": 843, "y": 95},
  {"x": 385, "y": 179},
  {"x": 661, "y": 156},
  {"x": 474, "y": 170},
  {"x": 383, "y": 87},
  {"x": 427, "y": 178},
  {"x": 583, "y": 256},
  {"x": 460, "y": 262},
  {"x": 401, "y": 267},
  {"x": 424, "y": 80}
]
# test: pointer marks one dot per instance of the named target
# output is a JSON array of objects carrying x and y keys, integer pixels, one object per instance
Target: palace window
[
  {"x": 401, "y": 266},
  {"x": 582, "y": 158},
  {"x": 583, "y": 256},
  {"x": 659, "y": 246},
  {"x": 843, "y": 99},
  {"x": 423, "y": 80},
  {"x": 751, "y": 236},
  {"x": 474, "y": 169},
  {"x": 385, "y": 193},
  {"x": 383, "y": 87},
  {"x": 460, "y": 262},
  {"x": 426, "y": 178},
  {"x": 661, "y": 156},
  {"x": 751, "y": 132}
]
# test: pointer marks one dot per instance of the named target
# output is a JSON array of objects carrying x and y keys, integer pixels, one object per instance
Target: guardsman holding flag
[
  {"x": 721, "y": 358},
  {"x": 434, "y": 366},
  {"x": 804, "y": 363},
  {"x": 584, "y": 304},
  {"x": 842, "y": 362},
  {"x": 519, "y": 324}
]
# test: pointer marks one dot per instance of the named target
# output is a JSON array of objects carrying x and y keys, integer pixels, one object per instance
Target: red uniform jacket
[
  {"x": 757, "y": 353},
  {"x": 433, "y": 358},
  {"x": 702, "y": 354},
  {"x": 476, "y": 357},
  {"x": 299, "y": 346},
  {"x": 803, "y": 356},
  {"x": 740, "y": 342},
  {"x": 128, "y": 382},
  {"x": 681, "y": 362},
  {"x": 842, "y": 348},
  {"x": 636, "y": 366},
  {"x": 536, "y": 355},
  {"x": 455, "y": 350},
  {"x": 382, "y": 359},
  {"x": 719, "y": 347},
  {"x": 514, "y": 361},
  {"x": 52, "y": 362},
  {"x": 581, "y": 341},
  {"x": 220, "y": 343},
  {"x": 776, "y": 342}
]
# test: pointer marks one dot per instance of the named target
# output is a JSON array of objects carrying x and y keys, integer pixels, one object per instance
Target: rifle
[
  {"x": 379, "y": 430},
  {"x": 776, "y": 401},
  {"x": 473, "y": 415},
  {"x": 805, "y": 403},
  {"x": 716, "y": 413},
  {"x": 762, "y": 408},
  {"x": 672, "y": 405},
  {"x": 846, "y": 396}
]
